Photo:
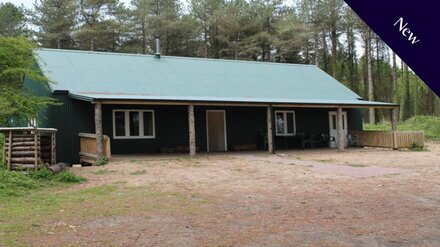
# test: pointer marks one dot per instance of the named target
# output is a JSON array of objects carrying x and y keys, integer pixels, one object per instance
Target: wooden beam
[
  {"x": 270, "y": 142},
  {"x": 341, "y": 138},
  {"x": 98, "y": 130},
  {"x": 192, "y": 131},
  {"x": 394, "y": 117}
]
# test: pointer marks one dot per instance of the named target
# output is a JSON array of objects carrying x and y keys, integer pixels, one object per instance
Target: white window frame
[
  {"x": 127, "y": 124},
  {"x": 285, "y": 123}
]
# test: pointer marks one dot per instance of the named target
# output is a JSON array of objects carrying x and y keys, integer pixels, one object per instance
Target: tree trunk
[
  {"x": 144, "y": 38},
  {"x": 92, "y": 43},
  {"x": 324, "y": 51},
  {"x": 430, "y": 102},
  {"x": 317, "y": 58},
  {"x": 378, "y": 81},
  {"x": 334, "y": 50},
  {"x": 394, "y": 79},
  {"x": 407, "y": 111},
  {"x": 370, "y": 74}
]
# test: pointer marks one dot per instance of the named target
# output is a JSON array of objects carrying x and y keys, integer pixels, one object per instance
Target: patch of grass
[
  {"x": 101, "y": 161},
  {"x": 138, "y": 172},
  {"x": 430, "y": 125},
  {"x": 69, "y": 177},
  {"x": 102, "y": 172},
  {"x": 416, "y": 148},
  {"x": 37, "y": 213},
  {"x": 13, "y": 183}
]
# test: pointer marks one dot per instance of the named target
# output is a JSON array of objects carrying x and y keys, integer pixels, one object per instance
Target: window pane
[
  {"x": 343, "y": 121},
  {"x": 334, "y": 121},
  {"x": 289, "y": 122},
  {"x": 279, "y": 121},
  {"x": 119, "y": 123},
  {"x": 134, "y": 123},
  {"x": 148, "y": 123}
]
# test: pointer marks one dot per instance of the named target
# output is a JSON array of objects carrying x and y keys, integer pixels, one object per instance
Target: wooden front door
[{"x": 216, "y": 130}]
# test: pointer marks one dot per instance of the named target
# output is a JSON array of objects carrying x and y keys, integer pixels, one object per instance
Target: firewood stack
[{"x": 28, "y": 148}]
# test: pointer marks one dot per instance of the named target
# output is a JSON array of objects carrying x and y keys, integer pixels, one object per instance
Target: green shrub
[
  {"x": 42, "y": 174},
  {"x": 69, "y": 177},
  {"x": 416, "y": 148},
  {"x": 101, "y": 161}
]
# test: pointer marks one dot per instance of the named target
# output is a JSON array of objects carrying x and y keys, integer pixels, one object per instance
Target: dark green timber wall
[
  {"x": 69, "y": 118},
  {"x": 244, "y": 125}
]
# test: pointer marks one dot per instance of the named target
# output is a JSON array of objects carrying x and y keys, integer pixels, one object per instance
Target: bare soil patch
[{"x": 255, "y": 199}]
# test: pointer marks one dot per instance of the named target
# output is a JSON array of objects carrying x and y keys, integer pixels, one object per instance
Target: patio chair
[
  {"x": 308, "y": 140},
  {"x": 353, "y": 140},
  {"x": 327, "y": 140},
  {"x": 317, "y": 141}
]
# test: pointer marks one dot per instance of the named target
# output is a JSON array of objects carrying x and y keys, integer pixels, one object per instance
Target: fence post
[
  {"x": 395, "y": 141},
  {"x": 10, "y": 150}
]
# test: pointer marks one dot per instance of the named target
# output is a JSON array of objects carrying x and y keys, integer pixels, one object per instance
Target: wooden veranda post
[
  {"x": 269, "y": 130},
  {"x": 98, "y": 130},
  {"x": 341, "y": 139},
  {"x": 192, "y": 131}
]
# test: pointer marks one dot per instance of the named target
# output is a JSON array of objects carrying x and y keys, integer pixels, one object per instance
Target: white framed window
[
  {"x": 285, "y": 123},
  {"x": 133, "y": 124}
]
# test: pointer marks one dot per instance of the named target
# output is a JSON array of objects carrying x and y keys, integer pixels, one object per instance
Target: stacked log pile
[{"x": 25, "y": 149}]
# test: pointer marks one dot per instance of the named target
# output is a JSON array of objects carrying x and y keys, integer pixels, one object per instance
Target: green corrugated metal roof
[{"x": 97, "y": 75}]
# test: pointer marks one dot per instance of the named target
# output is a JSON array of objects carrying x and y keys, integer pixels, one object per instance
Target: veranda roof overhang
[{"x": 125, "y": 99}]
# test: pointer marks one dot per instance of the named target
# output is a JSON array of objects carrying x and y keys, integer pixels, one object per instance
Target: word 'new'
[{"x": 406, "y": 32}]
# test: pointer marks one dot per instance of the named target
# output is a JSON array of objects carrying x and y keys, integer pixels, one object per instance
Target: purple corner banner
[{"x": 411, "y": 29}]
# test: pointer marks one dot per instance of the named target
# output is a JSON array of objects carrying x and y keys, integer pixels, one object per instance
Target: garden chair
[{"x": 353, "y": 140}]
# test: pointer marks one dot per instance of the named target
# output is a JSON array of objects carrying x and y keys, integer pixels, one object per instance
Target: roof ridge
[{"x": 175, "y": 57}]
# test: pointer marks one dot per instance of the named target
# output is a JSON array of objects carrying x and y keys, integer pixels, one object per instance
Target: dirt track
[{"x": 296, "y": 198}]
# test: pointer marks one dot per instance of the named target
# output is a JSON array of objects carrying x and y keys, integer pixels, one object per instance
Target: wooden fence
[
  {"x": 28, "y": 147},
  {"x": 389, "y": 139},
  {"x": 88, "y": 150}
]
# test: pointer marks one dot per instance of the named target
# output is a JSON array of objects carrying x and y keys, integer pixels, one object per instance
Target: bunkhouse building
[{"x": 151, "y": 103}]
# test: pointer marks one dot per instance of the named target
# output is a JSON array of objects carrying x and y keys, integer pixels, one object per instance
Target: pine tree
[
  {"x": 12, "y": 20},
  {"x": 98, "y": 29},
  {"x": 56, "y": 20}
]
